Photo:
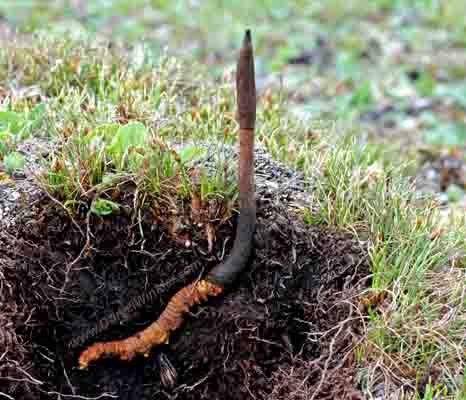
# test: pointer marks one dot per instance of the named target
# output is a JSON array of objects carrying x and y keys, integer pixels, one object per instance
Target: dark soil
[{"x": 285, "y": 331}]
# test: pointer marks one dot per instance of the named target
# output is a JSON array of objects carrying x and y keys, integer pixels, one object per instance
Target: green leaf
[
  {"x": 106, "y": 132},
  {"x": 104, "y": 207},
  {"x": 11, "y": 121},
  {"x": 191, "y": 153},
  {"x": 362, "y": 96},
  {"x": 131, "y": 135},
  {"x": 32, "y": 120},
  {"x": 13, "y": 162},
  {"x": 37, "y": 112},
  {"x": 36, "y": 115}
]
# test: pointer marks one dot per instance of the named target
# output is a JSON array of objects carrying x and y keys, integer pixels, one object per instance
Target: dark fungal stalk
[{"x": 224, "y": 274}]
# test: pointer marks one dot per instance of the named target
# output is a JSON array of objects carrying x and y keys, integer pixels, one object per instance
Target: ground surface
[
  {"x": 285, "y": 331},
  {"x": 349, "y": 90}
]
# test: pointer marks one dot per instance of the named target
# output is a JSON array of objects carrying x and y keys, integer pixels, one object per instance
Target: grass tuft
[{"x": 416, "y": 326}]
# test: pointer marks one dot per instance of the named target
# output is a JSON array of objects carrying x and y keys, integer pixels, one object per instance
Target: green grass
[
  {"x": 372, "y": 47},
  {"x": 117, "y": 113},
  {"x": 423, "y": 319}
]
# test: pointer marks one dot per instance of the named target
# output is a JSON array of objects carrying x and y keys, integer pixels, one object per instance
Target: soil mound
[{"x": 285, "y": 331}]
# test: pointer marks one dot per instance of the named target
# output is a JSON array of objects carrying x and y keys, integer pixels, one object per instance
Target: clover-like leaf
[
  {"x": 11, "y": 121},
  {"x": 102, "y": 207}
]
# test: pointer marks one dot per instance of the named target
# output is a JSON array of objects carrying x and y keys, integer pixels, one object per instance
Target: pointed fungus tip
[
  {"x": 247, "y": 37},
  {"x": 245, "y": 85}
]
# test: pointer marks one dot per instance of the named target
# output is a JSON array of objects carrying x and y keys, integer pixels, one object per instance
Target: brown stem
[{"x": 225, "y": 273}]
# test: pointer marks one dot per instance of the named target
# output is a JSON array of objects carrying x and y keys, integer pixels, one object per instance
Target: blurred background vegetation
[{"x": 392, "y": 70}]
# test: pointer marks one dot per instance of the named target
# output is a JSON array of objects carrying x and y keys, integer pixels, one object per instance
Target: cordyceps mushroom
[{"x": 224, "y": 274}]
